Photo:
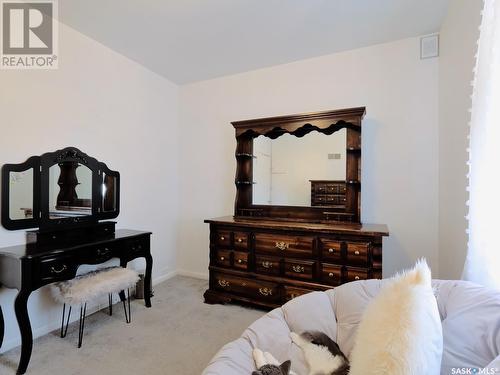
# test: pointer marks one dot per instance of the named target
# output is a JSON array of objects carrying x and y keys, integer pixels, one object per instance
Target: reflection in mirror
[
  {"x": 21, "y": 195},
  {"x": 70, "y": 190},
  {"x": 283, "y": 167},
  {"x": 108, "y": 193}
]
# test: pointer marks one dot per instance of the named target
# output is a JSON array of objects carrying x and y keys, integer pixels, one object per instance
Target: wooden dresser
[
  {"x": 267, "y": 254},
  {"x": 269, "y": 262}
]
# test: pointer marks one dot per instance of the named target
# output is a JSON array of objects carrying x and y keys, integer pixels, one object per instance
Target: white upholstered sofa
[{"x": 470, "y": 316}]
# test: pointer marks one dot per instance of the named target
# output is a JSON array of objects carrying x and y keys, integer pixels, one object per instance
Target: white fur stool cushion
[{"x": 93, "y": 285}]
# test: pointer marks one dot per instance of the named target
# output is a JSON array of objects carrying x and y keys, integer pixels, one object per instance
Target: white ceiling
[{"x": 192, "y": 40}]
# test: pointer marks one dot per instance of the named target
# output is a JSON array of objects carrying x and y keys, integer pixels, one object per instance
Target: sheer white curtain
[{"x": 483, "y": 258}]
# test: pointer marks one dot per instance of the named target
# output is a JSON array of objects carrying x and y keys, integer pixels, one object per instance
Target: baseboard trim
[
  {"x": 196, "y": 275},
  {"x": 163, "y": 277}
]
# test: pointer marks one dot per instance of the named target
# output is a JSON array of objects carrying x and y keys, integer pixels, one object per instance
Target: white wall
[
  {"x": 113, "y": 109},
  {"x": 459, "y": 34},
  {"x": 400, "y": 141}
]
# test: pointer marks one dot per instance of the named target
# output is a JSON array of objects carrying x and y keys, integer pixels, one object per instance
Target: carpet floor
[{"x": 177, "y": 336}]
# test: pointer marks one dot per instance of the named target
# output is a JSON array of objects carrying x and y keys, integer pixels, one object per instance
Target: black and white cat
[{"x": 322, "y": 354}]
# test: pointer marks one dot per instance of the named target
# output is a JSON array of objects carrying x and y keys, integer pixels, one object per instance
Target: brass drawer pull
[
  {"x": 267, "y": 264},
  {"x": 330, "y": 250},
  {"x": 356, "y": 252},
  {"x": 330, "y": 274},
  {"x": 63, "y": 268},
  {"x": 240, "y": 240},
  {"x": 356, "y": 277},
  {"x": 282, "y": 245},
  {"x": 298, "y": 269},
  {"x": 222, "y": 238},
  {"x": 223, "y": 283},
  {"x": 222, "y": 258},
  {"x": 265, "y": 291},
  {"x": 240, "y": 261}
]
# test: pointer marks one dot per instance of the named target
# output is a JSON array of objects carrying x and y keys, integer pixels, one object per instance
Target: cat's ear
[{"x": 285, "y": 367}]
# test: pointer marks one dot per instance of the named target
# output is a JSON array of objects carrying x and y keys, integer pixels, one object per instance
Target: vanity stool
[{"x": 93, "y": 285}]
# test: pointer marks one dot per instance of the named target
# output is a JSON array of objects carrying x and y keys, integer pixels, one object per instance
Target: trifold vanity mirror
[
  {"x": 57, "y": 190},
  {"x": 300, "y": 167}
]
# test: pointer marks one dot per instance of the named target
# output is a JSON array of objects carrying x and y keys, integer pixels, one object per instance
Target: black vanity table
[{"x": 70, "y": 232}]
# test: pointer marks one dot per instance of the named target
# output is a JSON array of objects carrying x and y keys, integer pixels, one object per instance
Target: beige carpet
[{"x": 177, "y": 336}]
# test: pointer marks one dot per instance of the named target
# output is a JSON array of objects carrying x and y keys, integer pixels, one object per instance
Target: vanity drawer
[
  {"x": 331, "y": 274},
  {"x": 267, "y": 265},
  {"x": 241, "y": 240},
  {"x": 354, "y": 274},
  {"x": 299, "y": 269},
  {"x": 134, "y": 247},
  {"x": 240, "y": 260},
  {"x": 54, "y": 269},
  {"x": 296, "y": 246},
  {"x": 331, "y": 250},
  {"x": 261, "y": 290},
  {"x": 223, "y": 258},
  {"x": 292, "y": 292},
  {"x": 358, "y": 253},
  {"x": 101, "y": 253},
  {"x": 223, "y": 238}
]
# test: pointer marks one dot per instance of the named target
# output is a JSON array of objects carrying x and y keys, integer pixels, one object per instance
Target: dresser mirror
[
  {"x": 70, "y": 190},
  {"x": 21, "y": 197},
  {"x": 58, "y": 190},
  {"x": 304, "y": 167},
  {"x": 285, "y": 168}
]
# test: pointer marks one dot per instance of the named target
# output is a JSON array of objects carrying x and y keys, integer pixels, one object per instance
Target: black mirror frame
[
  {"x": 7, "y": 222},
  {"x": 41, "y": 165}
]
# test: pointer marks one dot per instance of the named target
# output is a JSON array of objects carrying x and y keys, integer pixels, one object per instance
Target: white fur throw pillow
[{"x": 400, "y": 332}]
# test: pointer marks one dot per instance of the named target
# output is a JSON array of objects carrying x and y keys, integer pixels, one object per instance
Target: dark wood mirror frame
[
  {"x": 41, "y": 165},
  {"x": 326, "y": 122}
]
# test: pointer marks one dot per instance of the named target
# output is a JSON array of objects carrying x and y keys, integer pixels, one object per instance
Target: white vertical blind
[{"x": 482, "y": 264}]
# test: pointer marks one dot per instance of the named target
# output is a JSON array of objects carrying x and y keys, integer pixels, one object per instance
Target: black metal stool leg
[
  {"x": 64, "y": 330},
  {"x": 128, "y": 317},
  {"x": 83, "y": 312},
  {"x": 110, "y": 301}
]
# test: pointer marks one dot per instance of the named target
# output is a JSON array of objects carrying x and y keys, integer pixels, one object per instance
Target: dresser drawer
[
  {"x": 299, "y": 269},
  {"x": 262, "y": 290},
  {"x": 331, "y": 274},
  {"x": 331, "y": 250},
  {"x": 267, "y": 265},
  {"x": 296, "y": 246},
  {"x": 291, "y": 292},
  {"x": 354, "y": 274},
  {"x": 54, "y": 269},
  {"x": 223, "y": 258},
  {"x": 335, "y": 199},
  {"x": 240, "y": 260},
  {"x": 241, "y": 240},
  {"x": 330, "y": 188},
  {"x": 358, "y": 253},
  {"x": 223, "y": 238}
]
